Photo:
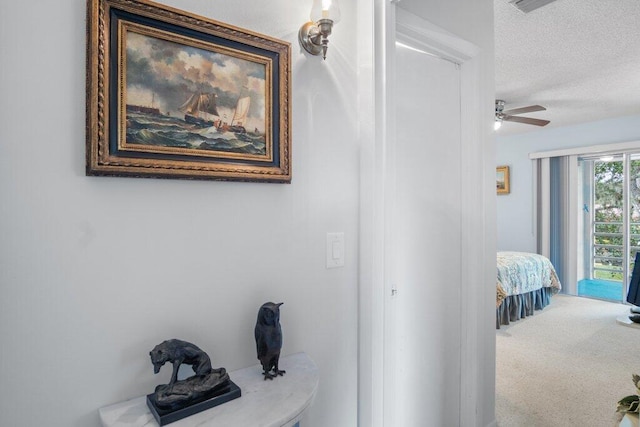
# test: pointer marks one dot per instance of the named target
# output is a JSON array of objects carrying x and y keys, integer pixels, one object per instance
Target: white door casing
[{"x": 377, "y": 402}]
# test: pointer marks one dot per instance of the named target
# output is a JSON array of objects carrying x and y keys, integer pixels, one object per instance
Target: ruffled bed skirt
[{"x": 516, "y": 307}]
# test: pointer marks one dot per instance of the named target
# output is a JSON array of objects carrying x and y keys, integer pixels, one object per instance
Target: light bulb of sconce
[
  {"x": 497, "y": 124},
  {"x": 325, "y": 9}
]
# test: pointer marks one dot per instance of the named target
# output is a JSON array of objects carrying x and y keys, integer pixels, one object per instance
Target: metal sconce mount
[{"x": 314, "y": 35}]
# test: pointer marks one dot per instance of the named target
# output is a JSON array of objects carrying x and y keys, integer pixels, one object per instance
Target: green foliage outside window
[{"x": 609, "y": 181}]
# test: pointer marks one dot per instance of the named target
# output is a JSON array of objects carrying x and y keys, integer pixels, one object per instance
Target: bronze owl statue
[{"x": 268, "y": 335}]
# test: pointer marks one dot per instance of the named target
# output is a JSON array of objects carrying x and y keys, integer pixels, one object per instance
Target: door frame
[{"x": 477, "y": 346}]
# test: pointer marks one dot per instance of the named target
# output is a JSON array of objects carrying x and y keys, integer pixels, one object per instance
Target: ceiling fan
[{"x": 510, "y": 115}]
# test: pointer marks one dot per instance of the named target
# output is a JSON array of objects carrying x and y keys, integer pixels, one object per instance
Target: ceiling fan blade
[
  {"x": 529, "y": 109},
  {"x": 527, "y": 120}
]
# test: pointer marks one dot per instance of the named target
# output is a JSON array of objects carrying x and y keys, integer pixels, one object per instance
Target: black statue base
[{"x": 165, "y": 416}]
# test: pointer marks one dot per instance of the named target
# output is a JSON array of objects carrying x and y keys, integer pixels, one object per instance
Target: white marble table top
[{"x": 277, "y": 403}]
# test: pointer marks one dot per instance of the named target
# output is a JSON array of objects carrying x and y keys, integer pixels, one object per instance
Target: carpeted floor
[{"x": 567, "y": 365}]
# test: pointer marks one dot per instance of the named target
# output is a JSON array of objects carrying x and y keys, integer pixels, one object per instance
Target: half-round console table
[{"x": 277, "y": 403}]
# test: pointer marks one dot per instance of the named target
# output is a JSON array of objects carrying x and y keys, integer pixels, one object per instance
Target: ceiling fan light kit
[{"x": 510, "y": 115}]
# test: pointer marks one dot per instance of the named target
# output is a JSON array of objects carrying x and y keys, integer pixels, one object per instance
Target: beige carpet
[{"x": 567, "y": 365}]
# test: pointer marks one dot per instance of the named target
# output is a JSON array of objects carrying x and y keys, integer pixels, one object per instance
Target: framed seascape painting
[
  {"x": 502, "y": 179},
  {"x": 175, "y": 95}
]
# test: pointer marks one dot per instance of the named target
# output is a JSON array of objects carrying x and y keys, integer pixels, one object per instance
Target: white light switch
[{"x": 335, "y": 250}]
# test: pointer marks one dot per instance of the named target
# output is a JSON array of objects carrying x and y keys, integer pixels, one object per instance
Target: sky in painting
[{"x": 166, "y": 74}]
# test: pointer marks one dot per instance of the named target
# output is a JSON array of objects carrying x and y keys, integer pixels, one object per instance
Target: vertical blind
[{"x": 556, "y": 199}]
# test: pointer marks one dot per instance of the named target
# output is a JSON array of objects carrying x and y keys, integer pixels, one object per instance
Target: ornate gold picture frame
[
  {"x": 502, "y": 179},
  {"x": 175, "y": 95}
]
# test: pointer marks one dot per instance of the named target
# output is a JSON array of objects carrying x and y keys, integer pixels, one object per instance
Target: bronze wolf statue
[{"x": 178, "y": 352}]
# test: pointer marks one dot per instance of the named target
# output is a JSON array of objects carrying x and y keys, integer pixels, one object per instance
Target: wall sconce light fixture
[{"x": 314, "y": 36}]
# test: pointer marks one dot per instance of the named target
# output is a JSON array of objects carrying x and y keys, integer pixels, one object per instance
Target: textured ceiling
[{"x": 578, "y": 58}]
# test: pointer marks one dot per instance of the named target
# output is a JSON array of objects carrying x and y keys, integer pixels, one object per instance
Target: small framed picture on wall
[{"x": 502, "y": 179}]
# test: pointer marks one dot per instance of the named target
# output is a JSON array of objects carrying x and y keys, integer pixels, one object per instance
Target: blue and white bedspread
[{"x": 522, "y": 272}]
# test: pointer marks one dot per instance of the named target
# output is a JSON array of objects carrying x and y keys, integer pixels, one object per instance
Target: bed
[{"x": 525, "y": 283}]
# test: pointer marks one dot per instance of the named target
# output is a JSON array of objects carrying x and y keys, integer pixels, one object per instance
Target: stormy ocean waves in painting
[{"x": 151, "y": 128}]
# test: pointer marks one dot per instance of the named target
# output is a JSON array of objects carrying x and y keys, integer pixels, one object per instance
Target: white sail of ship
[{"x": 242, "y": 109}]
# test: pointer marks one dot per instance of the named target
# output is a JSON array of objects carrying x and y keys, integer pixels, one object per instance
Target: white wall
[
  {"x": 515, "y": 211},
  {"x": 95, "y": 271}
]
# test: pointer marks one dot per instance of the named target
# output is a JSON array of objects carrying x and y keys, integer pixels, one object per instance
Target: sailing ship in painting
[{"x": 200, "y": 109}]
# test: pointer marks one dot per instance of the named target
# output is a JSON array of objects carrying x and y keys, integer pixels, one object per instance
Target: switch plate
[{"x": 335, "y": 250}]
